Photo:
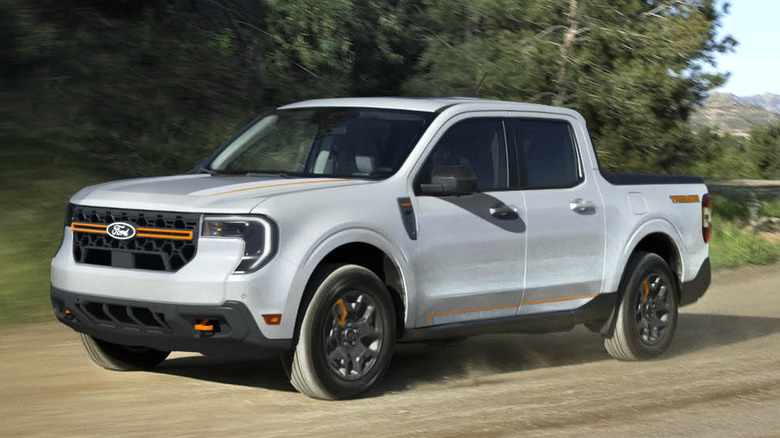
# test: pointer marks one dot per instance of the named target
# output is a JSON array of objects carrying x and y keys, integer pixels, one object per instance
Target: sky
[{"x": 755, "y": 65}]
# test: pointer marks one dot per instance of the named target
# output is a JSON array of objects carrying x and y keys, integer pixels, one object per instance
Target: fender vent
[{"x": 164, "y": 241}]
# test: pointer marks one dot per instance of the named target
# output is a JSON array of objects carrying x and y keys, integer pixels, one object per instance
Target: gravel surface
[{"x": 721, "y": 377}]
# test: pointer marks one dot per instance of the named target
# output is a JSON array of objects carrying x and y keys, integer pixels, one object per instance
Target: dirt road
[{"x": 720, "y": 378}]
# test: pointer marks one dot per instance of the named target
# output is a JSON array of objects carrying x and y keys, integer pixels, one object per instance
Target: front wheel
[
  {"x": 118, "y": 357},
  {"x": 647, "y": 313},
  {"x": 347, "y": 334}
]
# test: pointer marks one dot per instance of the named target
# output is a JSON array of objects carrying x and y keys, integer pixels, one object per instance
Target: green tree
[
  {"x": 764, "y": 150},
  {"x": 721, "y": 156},
  {"x": 631, "y": 67}
]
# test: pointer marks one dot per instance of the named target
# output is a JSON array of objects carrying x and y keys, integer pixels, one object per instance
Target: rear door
[
  {"x": 564, "y": 216},
  {"x": 471, "y": 252}
]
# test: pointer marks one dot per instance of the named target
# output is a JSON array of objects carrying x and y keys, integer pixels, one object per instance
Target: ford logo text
[{"x": 121, "y": 231}]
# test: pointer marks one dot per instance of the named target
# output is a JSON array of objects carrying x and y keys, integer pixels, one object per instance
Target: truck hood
[{"x": 199, "y": 193}]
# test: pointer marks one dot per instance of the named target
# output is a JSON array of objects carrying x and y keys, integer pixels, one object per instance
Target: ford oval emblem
[{"x": 121, "y": 230}]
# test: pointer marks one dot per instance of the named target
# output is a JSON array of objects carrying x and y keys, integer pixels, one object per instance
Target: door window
[
  {"x": 478, "y": 144},
  {"x": 547, "y": 154}
]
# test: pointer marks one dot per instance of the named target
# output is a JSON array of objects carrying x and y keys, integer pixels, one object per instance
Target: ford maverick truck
[{"x": 327, "y": 231}]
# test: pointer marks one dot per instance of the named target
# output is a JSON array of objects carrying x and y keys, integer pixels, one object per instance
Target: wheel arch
[
  {"x": 658, "y": 237},
  {"x": 364, "y": 248}
]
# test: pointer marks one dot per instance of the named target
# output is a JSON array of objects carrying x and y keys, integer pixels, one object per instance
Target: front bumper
[
  {"x": 168, "y": 327},
  {"x": 207, "y": 280}
]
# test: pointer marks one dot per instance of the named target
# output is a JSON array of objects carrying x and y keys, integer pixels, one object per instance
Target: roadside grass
[
  {"x": 731, "y": 246},
  {"x": 770, "y": 208},
  {"x": 36, "y": 181},
  {"x": 731, "y": 209}
]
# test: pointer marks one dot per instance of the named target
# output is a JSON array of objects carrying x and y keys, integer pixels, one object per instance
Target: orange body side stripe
[
  {"x": 430, "y": 317},
  {"x": 558, "y": 299},
  {"x": 281, "y": 185}
]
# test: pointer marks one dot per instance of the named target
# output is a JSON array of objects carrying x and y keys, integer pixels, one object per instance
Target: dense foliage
[
  {"x": 151, "y": 86},
  {"x": 725, "y": 156}
]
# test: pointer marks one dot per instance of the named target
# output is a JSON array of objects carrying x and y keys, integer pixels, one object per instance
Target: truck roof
[{"x": 428, "y": 104}]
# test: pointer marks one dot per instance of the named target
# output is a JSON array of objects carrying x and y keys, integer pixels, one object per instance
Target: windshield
[{"x": 331, "y": 142}]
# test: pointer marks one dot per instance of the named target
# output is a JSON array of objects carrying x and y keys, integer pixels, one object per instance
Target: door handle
[
  {"x": 503, "y": 211},
  {"x": 580, "y": 206}
]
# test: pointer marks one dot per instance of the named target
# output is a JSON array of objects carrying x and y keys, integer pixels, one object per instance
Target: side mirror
[{"x": 451, "y": 180}]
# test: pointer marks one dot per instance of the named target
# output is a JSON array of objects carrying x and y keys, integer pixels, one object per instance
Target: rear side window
[
  {"x": 547, "y": 154},
  {"x": 477, "y": 143}
]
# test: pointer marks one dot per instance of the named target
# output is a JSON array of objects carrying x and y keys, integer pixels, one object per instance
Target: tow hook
[{"x": 206, "y": 325}]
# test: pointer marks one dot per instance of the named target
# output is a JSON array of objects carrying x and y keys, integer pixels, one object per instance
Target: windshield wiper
[{"x": 285, "y": 175}]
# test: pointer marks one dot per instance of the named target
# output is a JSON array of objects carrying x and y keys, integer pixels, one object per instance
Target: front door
[{"x": 471, "y": 249}]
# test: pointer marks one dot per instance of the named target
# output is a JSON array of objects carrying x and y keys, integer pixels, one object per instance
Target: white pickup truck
[{"x": 328, "y": 230}]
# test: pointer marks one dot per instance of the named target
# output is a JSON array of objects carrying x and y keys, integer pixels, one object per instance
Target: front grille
[
  {"x": 125, "y": 317},
  {"x": 164, "y": 241}
]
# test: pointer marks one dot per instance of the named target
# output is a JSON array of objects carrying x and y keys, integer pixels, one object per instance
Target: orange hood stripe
[{"x": 281, "y": 185}]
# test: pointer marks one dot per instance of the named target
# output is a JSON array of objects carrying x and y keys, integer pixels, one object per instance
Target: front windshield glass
[{"x": 330, "y": 142}]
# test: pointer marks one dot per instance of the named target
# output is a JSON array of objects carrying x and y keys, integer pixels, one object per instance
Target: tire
[
  {"x": 647, "y": 312},
  {"x": 346, "y": 336},
  {"x": 118, "y": 357}
]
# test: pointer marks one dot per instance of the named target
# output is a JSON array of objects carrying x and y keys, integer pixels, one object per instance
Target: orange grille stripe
[
  {"x": 79, "y": 224},
  {"x": 165, "y": 236},
  {"x": 87, "y": 230},
  {"x": 430, "y": 317},
  {"x": 164, "y": 230},
  {"x": 155, "y": 233},
  {"x": 281, "y": 185}
]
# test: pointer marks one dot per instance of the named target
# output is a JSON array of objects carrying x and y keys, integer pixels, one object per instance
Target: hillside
[
  {"x": 734, "y": 114},
  {"x": 768, "y": 101}
]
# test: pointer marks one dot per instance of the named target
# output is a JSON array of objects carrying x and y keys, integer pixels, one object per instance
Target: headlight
[{"x": 258, "y": 233}]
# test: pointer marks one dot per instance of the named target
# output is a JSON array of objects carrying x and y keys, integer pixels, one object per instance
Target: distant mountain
[
  {"x": 735, "y": 115},
  {"x": 768, "y": 101}
]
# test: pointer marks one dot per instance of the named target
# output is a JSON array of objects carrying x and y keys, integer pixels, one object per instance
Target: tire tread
[
  {"x": 103, "y": 358},
  {"x": 303, "y": 375},
  {"x": 618, "y": 343}
]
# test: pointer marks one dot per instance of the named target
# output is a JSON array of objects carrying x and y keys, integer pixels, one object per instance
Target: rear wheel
[
  {"x": 118, "y": 357},
  {"x": 647, "y": 313},
  {"x": 347, "y": 334}
]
